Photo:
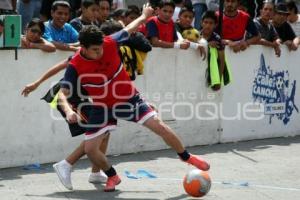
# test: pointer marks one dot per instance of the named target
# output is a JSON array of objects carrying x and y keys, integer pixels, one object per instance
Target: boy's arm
[
  {"x": 65, "y": 46},
  {"x": 51, "y": 72},
  {"x": 71, "y": 116},
  {"x": 44, "y": 46},
  {"x": 266, "y": 43},
  {"x": 67, "y": 86},
  {"x": 147, "y": 12},
  {"x": 159, "y": 43}
]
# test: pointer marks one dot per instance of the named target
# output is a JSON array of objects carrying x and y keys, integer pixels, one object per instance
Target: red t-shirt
[
  {"x": 104, "y": 80},
  {"x": 234, "y": 28}
]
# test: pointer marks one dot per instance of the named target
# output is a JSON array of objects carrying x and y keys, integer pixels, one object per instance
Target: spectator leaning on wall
[
  {"x": 218, "y": 71},
  {"x": 33, "y": 37},
  {"x": 236, "y": 24},
  {"x": 284, "y": 30},
  {"x": 161, "y": 29},
  {"x": 294, "y": 17},
  {"x": 186, "y": 31},
  {"x": 269, "y": 36},
  {"x": 58, "y": 31}
]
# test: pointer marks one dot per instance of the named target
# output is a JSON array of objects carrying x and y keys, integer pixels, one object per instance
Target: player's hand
[
  {"x": 147, "y": 11},
  {"x": 184, "y": 44},
  {"x": 72, "y": 117},
  {"x": 29, "y": 88}
]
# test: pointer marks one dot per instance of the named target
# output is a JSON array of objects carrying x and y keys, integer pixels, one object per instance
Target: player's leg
[
  {"x": 138, "y": 110},
  {"x": 63, "y": 168},
  {"x": 99, "y": 159},
  {"x": 170, "y": 138},
  {"x": 97, "y": 175}
]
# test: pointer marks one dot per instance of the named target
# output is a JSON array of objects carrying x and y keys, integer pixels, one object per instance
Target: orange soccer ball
[{"x": 197, "y": 183}]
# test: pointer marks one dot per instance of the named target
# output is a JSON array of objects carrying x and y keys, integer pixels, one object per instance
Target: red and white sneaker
[
  {"x": 198, "y": 162},
  {"x": 111, "y": 183}
]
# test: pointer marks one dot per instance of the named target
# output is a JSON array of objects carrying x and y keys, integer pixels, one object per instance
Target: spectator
[
  {"x": 104, "y": 10},
  {"x": 89, "y": 14},
  {"x": 294, "y": 17},
  {"x": 58, "y": 31},
  {"x": 7, "y": 7},
  {"x": 45, "y": 12},
  {"x": 236, "y": 24},
  {"x": 33, "y": 37},
  {"x": 161, "y": 29},
  {"x": 118, "y": 15},
  {"x": 199, "y": 7},
  {"x": 284, "y": 30},
  {"x": 28, "y": 9},
  {"x": 178, "y": 6},
  {"x": 269, "y": 36},
  {"x": 216, "y": 75},
  {"x": 130, "y": 15},
  {"x": 185, "y": 16},
  {"x": 185, "y": 30},
  {"x": 118, "y": 4}
]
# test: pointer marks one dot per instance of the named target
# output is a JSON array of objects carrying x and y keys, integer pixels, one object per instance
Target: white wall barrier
[{"x": 174, "y": 81}]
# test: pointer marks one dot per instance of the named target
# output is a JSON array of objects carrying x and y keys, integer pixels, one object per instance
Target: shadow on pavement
[
  {"x": 94, "y": 194},
  {"x": 237, "y": 148}
]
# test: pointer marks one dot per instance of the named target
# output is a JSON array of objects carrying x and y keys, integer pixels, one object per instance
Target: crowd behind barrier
[{"x": 182, "y": 98}]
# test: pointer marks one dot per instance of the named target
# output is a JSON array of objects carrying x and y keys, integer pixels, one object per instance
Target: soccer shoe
[
  {"x": 63, "y": 171},
  {"x": 111, "y": 183},
  {"x": 99, "y": 177},
  {"x": 198, "y": 162}
]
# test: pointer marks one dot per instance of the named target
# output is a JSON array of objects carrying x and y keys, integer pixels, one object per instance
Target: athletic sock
[
  {"x": 184, "y": 155},
  {"x": 110, "y": 172}
]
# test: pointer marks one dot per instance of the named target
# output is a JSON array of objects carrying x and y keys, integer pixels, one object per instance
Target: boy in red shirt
[
  {"x": 97, "y": 69},
  {"x": 161, "y": 29}
]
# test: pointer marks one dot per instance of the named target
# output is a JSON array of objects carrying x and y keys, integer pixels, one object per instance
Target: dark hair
[
  {"x": 186, "y": 9},
  {"x": 110, "y": 27},
  {"x": 268, "y": 2},
  {"x": 132, "y": 9},
  {"x": 88, "y": 3},
  {"x": 291, "y": 5},
  {"x": 55, "y": 5},
  {"x": 118, "y": 13},
  {"x": 210, "y": 15},
  {"x": 109, "y": 1},
  {"x": 163, "y": 3},
  {"x": 177, "y": 1},
  {"x": 1, "y": 22},
  {"x": 37, "y": 21},
  {"x": 90, "y": 35}
]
